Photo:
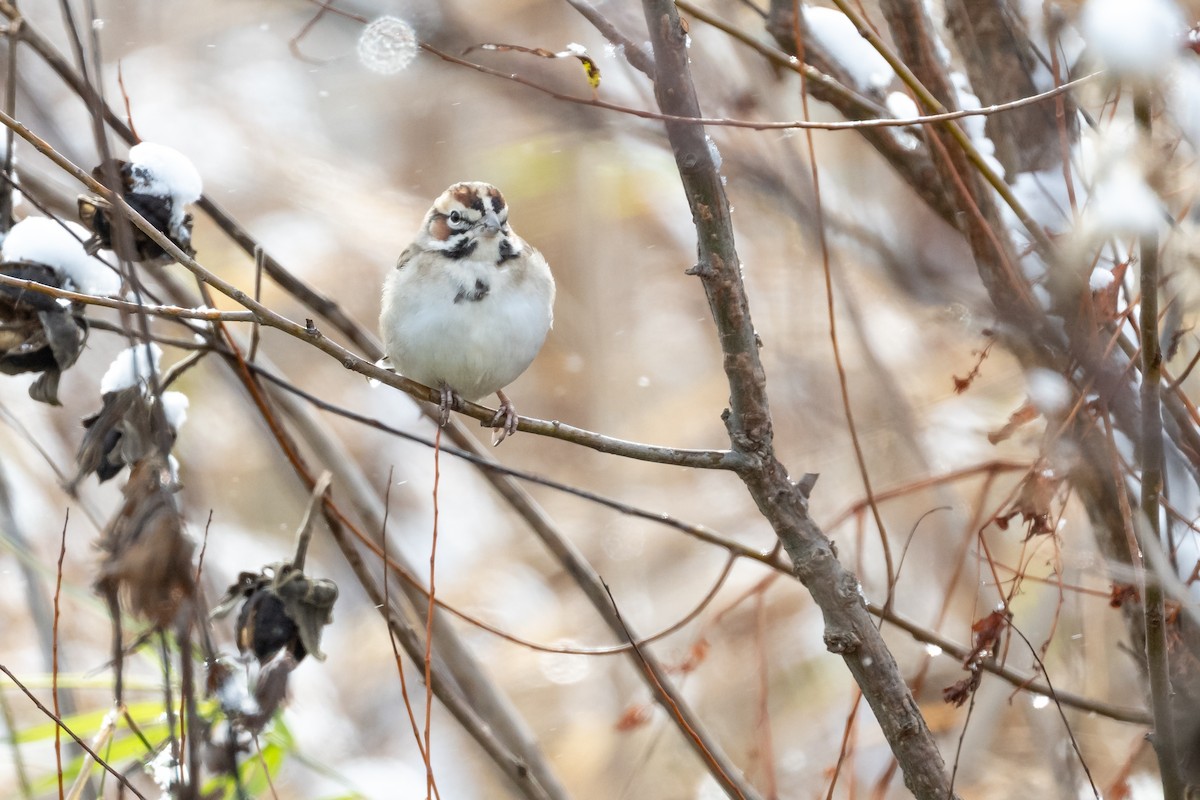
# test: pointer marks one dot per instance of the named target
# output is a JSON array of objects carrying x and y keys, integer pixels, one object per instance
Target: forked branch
[{"x": 849, "y": 630}]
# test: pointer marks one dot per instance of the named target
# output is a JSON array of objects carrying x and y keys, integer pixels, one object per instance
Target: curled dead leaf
[
  {"x": 147, "y": 556},
  {"x": 1022, "y": 416},
  {"x": 1033, "y": 502},
  {"x": 37, "y": 332}
]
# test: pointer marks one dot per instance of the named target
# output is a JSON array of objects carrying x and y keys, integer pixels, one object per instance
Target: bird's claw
[
  {"x": 447, "y": 402},
  {"x": 505, "y": 420}
]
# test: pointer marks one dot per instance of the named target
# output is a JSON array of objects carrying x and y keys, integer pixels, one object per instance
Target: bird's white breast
[{"x": 435, "y": 332}]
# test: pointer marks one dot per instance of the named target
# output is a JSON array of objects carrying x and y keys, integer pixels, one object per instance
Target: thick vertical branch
[
  {"x": 916, "y": 168},
  {"x": 1152, "y": 481},
  {"x": 849, "y": 630},
  {"x": 1000, "y": 59}
]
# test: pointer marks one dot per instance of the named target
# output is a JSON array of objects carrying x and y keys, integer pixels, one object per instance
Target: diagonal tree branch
[{"x": 849, "y": 630}]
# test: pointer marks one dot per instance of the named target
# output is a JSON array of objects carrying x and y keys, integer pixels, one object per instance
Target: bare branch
[{"x": 849, "y": 630}]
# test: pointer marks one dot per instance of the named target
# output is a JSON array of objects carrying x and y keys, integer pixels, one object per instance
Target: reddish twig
[
  {"x": 764, "y": 125},
  {"x": 58, "y": 576},
  {"x": 672, "y": 708},
  {"x": 82, "y": 744},
  {"x": 846, "y": 746},
  {"x": 843, "y": 384},
  {"x": 437, "y": 477},
  {"x": 766, "y": 745},
  {"x": 387, "y": 592},
  {"x": 125, "y": 100}
]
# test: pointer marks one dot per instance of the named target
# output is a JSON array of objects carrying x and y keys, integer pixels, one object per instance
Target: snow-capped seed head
[
  {"x": 59, "y": 245},
  {"x": 175, "y": 408},
  {"x": 1133, "y": 40},
  {"x": 387, "y": 45},
  {"x": 131, "y": 367},
  {"x": 165, "y": 172}
]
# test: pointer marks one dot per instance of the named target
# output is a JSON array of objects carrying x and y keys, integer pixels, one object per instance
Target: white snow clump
[
  {"x": 164, "y": 172},
  {"x": 1134, "y": 40},
  {"x": 132, "y": 366},
  {"x": 837, "y": 34},
  {"x": 1048, "y": 391},
  {"x": 60, "y": 246},
  {"x": 1100, "y": 279},
  {"x": 175, "y": 408}
]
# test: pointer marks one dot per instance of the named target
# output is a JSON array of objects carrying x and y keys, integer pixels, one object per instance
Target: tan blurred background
[{"x": 332, "y": 166}]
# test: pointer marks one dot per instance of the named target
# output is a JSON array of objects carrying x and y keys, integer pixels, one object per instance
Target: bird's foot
[
  {"x": 448, "y": 400},
  {"x": 505, "y": 421}
]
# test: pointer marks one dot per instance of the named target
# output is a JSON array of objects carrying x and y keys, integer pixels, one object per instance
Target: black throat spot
[
  {"x": 463, "y": 248},
  {"x": 475, "y": 294},
  {"x": 507, "y": 251}
]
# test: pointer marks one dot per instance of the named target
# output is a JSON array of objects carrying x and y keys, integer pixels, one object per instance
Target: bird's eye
[{"x": 455, "y": 217}]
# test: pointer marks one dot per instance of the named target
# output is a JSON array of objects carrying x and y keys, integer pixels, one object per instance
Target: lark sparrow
[{"x": 469, "y": 303}]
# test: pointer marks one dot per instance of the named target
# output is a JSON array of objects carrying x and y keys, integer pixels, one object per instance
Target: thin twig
[
  {"x": 82, "y": 744},
  {"x": 941, "y": 117},
  {"x": 701, "y": 459},
  {"x": 170, "y": 312},
  {"x": 304, "y": 533},
  {"x": 437, "y": 478},
  {"x": 412, "y": 717},
  {"x": 844, "y": 750},
  {"x": 835, "y": 346},
  {"x": 58, "y": 576},
  {"x": 713, "y": 764},
  {"x": 12, "y": 38},
  {"x": 1062, "y": 715},
  {"x": 255, "y": 331}
]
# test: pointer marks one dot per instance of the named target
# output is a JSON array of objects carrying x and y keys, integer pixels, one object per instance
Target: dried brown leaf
[
  {"x": 1022, "y": 416},
  {"x": 962, "y": 384},
  {"x": 590, "y": 68},
  {"x": 147, "y": 560},
  {"x": 985, "y": 637},
  {"x": 1033, "y": 502},
  {"x": 958, "y": 693},
  {"x": 634, "y": 717},
  {"x": 1104, "y": 301},
  {"x": 1122, "y": 593}
]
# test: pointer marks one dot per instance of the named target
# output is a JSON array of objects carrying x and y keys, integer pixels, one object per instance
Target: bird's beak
[{"x": 491, "y": 223}]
